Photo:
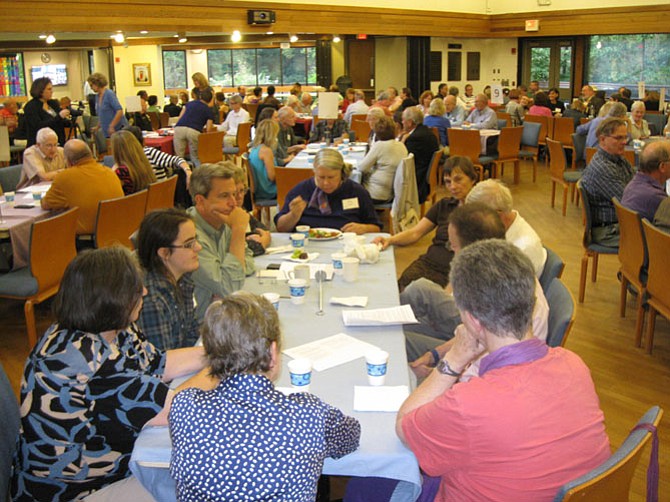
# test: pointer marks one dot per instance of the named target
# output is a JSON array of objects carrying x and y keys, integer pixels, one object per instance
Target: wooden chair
[
  {"x": 509, "y": 144},
  {"x": 288, "y": 177},
  {"x": 161, "y": 194},
  {"x": 258, "y": 206},
  {"x": 561, "y": 313},
  {"x": 633, "y": 260},
  {"x": 658, "y": 292},
  {"x": 628, "y": 154},
  {"x": 434, "y": 177},
  {"x": 610, "y": 482},
  {"x": 564, "y": 128},
  {"x": 243, "y": 139},
  {"x": 591, "y": 249},
  {"x": 155, "y": 120},
  {"x": 252, "y": 108},
  {"x": 506, "y": 117},
  {"x": 118, "y": 219},
  {"x": 545, "y": 130},
  {"x": 163, "y": 119},
  {"x": 584, "y": 120},
  {"x": 210, "y": 147},
  {"x": 467, "y": 143},
  {"x": 529, "y": 144},
  {"x": 359, "y": 116},
  {"x": 361, "y": 129},
  {"x": 52, "y": 247},
  {"x": 558, "y": 174},
  {"x": 436, "y": 132}
]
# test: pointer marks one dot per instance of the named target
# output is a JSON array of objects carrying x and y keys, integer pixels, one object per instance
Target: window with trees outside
[
  {"x": 174, "y": 70},
  {"x": 252, "y": 67},
  {"x": 624, "y": 60}
]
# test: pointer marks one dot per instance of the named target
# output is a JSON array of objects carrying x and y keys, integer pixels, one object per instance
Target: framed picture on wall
[{"x": 142, "y": 74}]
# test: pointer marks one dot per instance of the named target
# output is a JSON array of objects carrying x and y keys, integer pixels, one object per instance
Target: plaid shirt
[
  {"x": 605, "y": 177},
  {"x": 168, "y": 315}
]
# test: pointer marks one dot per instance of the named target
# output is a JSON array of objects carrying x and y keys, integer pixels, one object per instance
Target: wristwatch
[{"x": 444, "y": 368}]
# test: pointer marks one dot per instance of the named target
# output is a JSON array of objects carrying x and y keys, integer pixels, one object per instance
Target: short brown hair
[
  {"x": 97, "y": 79},
  {"x": 385, "y": 129}
]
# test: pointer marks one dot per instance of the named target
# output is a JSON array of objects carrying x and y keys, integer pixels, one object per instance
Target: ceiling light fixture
[
  {"x": 336, "y": 39},
  {"x": 269, "y": 32},
  {"x": 143, "y": 32},
  {"x": 119, "y": 37},
  {"x": 293, "y": 38},
  {"x": 236, "y": 36},
  {"x": 42, "y": 37},
  {"x": 50, "y": 38},
  {"x": 182, "y": 38}
]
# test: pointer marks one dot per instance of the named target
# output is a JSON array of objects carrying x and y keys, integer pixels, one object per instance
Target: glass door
[{"x": 550, "y": 62}]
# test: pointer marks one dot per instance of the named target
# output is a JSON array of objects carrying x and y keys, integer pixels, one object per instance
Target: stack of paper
[
  {"x": 379, "y": 317},
  {"x": 332, "y": 351},
  {"x": 379, "y": 398},
  {"x": 350, "y": 301}
]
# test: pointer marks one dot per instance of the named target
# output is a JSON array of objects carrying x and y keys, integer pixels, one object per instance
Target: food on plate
[
  {"x": 299, "y": 255},
  {"x": 320, "y": 233}
]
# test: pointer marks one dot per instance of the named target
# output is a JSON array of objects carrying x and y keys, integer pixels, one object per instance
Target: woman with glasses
[
  {"x": 168, "y": 251},
  {"x": 258, "y": 236}
]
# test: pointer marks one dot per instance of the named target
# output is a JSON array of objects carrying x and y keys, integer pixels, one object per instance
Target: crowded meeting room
[{"x": 269, "y": 251}]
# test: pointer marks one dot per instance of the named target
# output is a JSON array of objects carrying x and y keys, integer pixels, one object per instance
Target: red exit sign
[{"x": 361, "y": 36}]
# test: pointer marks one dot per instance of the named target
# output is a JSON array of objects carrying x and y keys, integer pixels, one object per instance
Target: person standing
[
  {"x": 108, "y": 108},
  {"x": 195, "y": 117},
  {"x": 43, "y": 111}
]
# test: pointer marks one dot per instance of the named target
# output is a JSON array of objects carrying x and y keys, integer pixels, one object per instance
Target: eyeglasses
[
  {"x": 189, "y": 244},
  {"x": 619, "y": 138},
  {"x": 242, "y": 191}
]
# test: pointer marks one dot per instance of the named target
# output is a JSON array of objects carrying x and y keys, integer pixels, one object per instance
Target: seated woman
[
  {"x": 381, "y": 162},
  {"x": 330, "y": 131},
  {"x": 91, "y": 383},
  {"x": 435, "y": 118},
  {"x": 262, "y": 159},
  {"x": 141, "y": 119},
  {"x": 168, "y": 252},
  {"x": 459, "y": 177},
  {"x": 245, "y": 440},
  {"x": 639, "y": 128},
  {"x": 540, "y": 105},
  {"x": 258, "y": 236},
  {"x": 130, "y": 164},
  {"x": 425, "y": 99},
  {"x": 554, "y": 101},
  {"x": 330, "y": 199}
]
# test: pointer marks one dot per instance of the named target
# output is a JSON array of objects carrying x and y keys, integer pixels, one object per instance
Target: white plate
[
  {"x": 337, "y": 236},
  {"x": 310, "y": 257}
]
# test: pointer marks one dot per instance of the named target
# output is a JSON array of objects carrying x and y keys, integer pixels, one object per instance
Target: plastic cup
[
  {"x": 304, "y": 230},
  {"x": 345, "y": 141},
  {"x": 298, "y": 240},
  {"x": 350, "y": 269},
  {"x": 273, "y": 298},
  {"x": 300, "y": 370},
  {"x": 9, "y": 198},
  {"x": 300, "y": 272},
  {"x": 637, "y": 144},
  {"x": 297, "y": 288},
  {"x": 37, "y": 196},
  {"x": 337, "y": 262},
  {"x": 376, "y": 362}
]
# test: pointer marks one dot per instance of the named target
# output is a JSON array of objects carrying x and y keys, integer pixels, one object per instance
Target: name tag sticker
[{"x": 350, "y": 203}]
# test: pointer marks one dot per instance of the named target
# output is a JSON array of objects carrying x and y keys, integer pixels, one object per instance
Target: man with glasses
[
  {"x": 42, "y": 161},
  {"x": 646, "y": 190},
  {"x": 225, "y": 258},
  {"x": 605, "y": 177}
]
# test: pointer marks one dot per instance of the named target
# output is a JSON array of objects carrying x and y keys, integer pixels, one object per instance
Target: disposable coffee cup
[
  {"x": 304, "y": 230},
  {"x": 345, "y": 141},
  {"x": 37, "y": 196},
  {"x": 637, "y": 144},
  {"x": 300, "y": 272},
  {"x": 298, "y": 240},
  {"x": 273, "y": 298},
  {"x": 350, "y": 269},
  {"x": 297, "y": 289},
  {"x": 337, "y": 262},
  {"x": 349, "y": 237},
  {"x": 300, "y": 371},
  {"x": 376, "y": 362},
  {"x": 9, "y": 197}
]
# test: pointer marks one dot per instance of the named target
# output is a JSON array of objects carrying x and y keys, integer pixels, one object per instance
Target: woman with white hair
[
  {"x": 639, "y": 128},
  {"x": 435, "y": 118}
]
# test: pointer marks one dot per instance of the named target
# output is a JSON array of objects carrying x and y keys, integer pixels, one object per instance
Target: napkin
[
  {"x": 279, "y": 249},
  {"x": 351, "y": 301},
  {"x": 382, "y": 398}
]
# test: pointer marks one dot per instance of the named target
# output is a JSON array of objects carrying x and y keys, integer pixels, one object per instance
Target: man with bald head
[
  {"x": 482, "y": 117},
  {"x": 83, "y": 184},
  {"x": 287, "y": 141},
  {"x": 645, "y": 192},
  {"x": 455, "y": 113}
]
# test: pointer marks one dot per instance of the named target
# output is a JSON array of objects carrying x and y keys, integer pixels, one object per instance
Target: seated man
[
  {"x": 605, "y": 177},
  {"x": 287, "y": 141},
  {"x": 305, "y": 103},
  {"x": 173, "y": 109},
  {"x": 383, "y": 102},
  {"x": 646, "y": 190},
  {"x": 42, "y": 161},
  {"x": 434, "y": 306},
  {"x": 83, "y": 184},
  {"x": 590, "y": 128},
  {"x": 420, "y": 141},
  {"x": 358, "y": 107},
  {"x": 236, "y": 116},
  {"x": 531, "y": 421},
  {"x": 329, "y": 130},
  {"x": 9, "y": 115},
  {"x": 482, "y": 117},
  {"x": 498, "y": 197},
  {"x": 454, "y": 112},
  {"x": 225, "y": 258}
]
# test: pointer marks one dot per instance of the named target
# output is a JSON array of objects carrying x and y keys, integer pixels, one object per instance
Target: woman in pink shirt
[{"x": 540, "y": 105}]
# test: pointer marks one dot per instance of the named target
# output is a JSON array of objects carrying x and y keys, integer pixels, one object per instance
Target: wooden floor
[{"x": 628, "y": 380}]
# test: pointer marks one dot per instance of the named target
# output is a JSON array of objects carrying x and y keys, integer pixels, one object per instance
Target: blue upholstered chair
[
  {"x": 610, "y": 482},
  {"x": 553, "y": 269},
  {"x": 9, "y": 177},
  {"x": 530, "y": 144},
  {"x": 561, "y": 313}
]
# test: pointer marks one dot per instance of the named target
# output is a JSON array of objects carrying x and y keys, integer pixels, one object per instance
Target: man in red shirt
[{"x": 530, "y": 422}]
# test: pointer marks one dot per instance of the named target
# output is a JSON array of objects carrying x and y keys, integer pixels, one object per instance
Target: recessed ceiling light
[
  {"x": 294, "y": 38},
  {"x": 50, "y": 39},
  {"x": 336, "y": 39},
  {"x": 144, "y": 32},
  {"x": 183, "y": 40},
  {"x": 42, "y": 37},
  {"x": 269, "y": 32},
  {"x": 236, "y": 36},
  {"x": 175, "y": 36},
  {"x": 118, "y": 37}
]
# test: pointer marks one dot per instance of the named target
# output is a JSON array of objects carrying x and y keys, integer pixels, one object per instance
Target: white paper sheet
[
  {"x": 332, "y": 351},
  {"x": 286, "y": 267},
  {"x": 350, "y": 301},
  {"x": 388, "y": 399},
  {"x": 328, "y": 103},
  {"x": 133, "y": 104},
  {"x": 379, "y": 317},
  {"x": 497, "y": 94},
  {"x": 279, "y": 249}
]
